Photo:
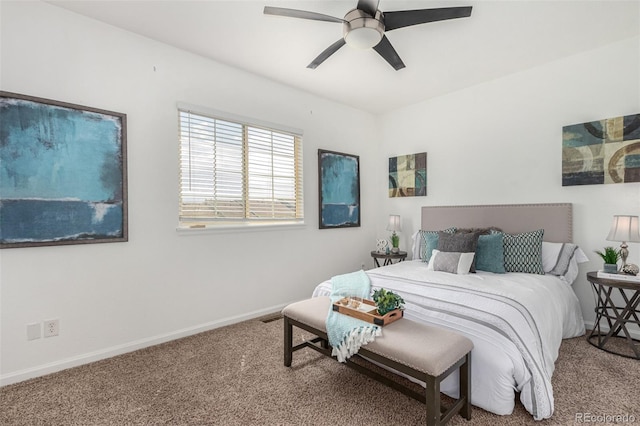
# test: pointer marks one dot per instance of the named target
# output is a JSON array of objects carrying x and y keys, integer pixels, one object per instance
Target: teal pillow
[
  {"x": 430, "y": 243},
  {"x": 490, "y": 253}
]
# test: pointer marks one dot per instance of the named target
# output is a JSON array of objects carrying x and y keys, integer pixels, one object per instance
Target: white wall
[
  {"x": 501, "y": 142},
  {"x": 111, "y": 298}
]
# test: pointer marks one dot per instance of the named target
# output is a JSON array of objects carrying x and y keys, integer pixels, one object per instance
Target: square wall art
[
  {"x": 603, "y": 151},
  {"x": 63, "y": 173},
  {"x": 339, "y": 181},
  {"x": 408, "y": 175}
]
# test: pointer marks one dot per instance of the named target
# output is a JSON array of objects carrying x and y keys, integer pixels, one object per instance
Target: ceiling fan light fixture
[
  {"x": 364, "y": 26},
  {"x": 362, "y": 31},
  {"x": 363, "y": 38}
]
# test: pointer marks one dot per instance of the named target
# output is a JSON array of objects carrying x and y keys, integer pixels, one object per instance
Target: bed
[{"x": 516, "y": 320}]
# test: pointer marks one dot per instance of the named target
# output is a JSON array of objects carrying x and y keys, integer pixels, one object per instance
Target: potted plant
[
  {"x": 610, "y": 256},
  {"x": 387, "y": 301},
  {"x": 395, "y": 242}
]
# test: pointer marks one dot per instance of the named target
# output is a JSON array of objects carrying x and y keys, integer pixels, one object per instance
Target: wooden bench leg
[
  {"x": 435, "y": 415},
  {"x": 465, "y": 387},
  {"x": 288, "y": 342},
  {"x": 433, "y": 401}
]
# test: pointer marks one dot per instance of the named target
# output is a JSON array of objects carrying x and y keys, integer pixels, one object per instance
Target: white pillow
[
  {"x": 415, "y": 247},
  {"x": 561, "y": 259},
  {"x": 452, "y": 262}
]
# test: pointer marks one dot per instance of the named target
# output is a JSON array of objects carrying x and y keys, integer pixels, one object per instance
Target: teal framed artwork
[
  {"x": 408, "y": 175},
  {"x": 63, "y": 173},
  {"x": 339, "y": 189},
  {"x": 603, "y": 151}
]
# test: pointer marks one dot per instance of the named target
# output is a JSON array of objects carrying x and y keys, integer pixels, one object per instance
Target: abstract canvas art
[
  {"x": 408, "y": 175},
  {"x": 603, "y": 151},
  {"x": 63, "y": 173},
  {"x": 339, "y": 189}
]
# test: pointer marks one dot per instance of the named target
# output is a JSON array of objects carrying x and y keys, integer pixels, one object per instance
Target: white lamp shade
[
  {"x": 624, "y": 229},
  {"x": 394, "y": 223},
  {"x": 363, "y": 37}
]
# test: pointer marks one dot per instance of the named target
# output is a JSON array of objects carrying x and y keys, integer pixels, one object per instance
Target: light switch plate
[{"x": 34, "y": 331}]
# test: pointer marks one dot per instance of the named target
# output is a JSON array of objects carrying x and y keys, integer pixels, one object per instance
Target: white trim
[
  {"x": 52, "y": 367},
  {"x": 238, "y": 227},
  {"x": 250, "y": 121}
]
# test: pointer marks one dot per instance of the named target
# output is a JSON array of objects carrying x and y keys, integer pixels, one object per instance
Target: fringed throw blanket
[{"x": 348, "y": 334}]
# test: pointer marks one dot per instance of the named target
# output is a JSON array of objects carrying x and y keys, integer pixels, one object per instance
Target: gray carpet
[{"x": 235, "y": 376}]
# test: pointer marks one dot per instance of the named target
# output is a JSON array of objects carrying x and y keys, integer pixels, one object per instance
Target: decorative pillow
[
  {"x": 430, "y": 243},
  {"x": 561, "y": 259},
  {"x": 459, "y": 243},
  {"x": 481, "y": 231},
  {"x": 452, "y": 262},
  {"x": 523, "y": 252},
  {"x": 420, "y": 250},
  {"x": 490, "y": 253}
]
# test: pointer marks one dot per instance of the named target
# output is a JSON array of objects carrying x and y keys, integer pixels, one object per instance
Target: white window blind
[{"x": 232, "y": 172}]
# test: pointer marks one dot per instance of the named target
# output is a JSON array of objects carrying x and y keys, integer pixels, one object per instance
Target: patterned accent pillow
[
  {"x": 564, "y": 259},
  {"x": 460, "y": 243},
  {"x": 523, "y": 252},
  {"x": 429, "y": 241},
  {"x": 452, "y": 262}
]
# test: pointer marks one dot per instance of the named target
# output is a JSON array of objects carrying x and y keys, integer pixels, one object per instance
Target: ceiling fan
[{"x": 365, "y": 26}]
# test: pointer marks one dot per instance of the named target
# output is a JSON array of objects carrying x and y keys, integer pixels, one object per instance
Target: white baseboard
[
  {"x": 87, "y": 358},
  {"x": 590, "y": 324}
]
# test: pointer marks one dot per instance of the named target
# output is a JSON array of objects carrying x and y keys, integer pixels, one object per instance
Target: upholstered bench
[{"x": 426, "y": 353}]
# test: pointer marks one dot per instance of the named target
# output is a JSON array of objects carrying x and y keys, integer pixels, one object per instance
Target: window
[{"x": 237, "y": 173}]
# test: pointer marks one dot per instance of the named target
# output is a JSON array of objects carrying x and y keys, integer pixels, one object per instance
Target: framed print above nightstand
[{"x": 408, "y": 175}]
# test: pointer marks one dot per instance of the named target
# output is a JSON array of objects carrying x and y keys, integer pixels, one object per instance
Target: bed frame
[{"x": 556, "y": 219}]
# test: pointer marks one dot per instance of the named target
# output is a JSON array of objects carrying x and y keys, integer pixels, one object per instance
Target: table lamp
[
  {"x": 394, "y": 226},
  {"x": 624, "y": 229}
]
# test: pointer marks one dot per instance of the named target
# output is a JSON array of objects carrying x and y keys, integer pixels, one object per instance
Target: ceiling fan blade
[
  {"x": 302, "y": 14},
  {"x": 406, "y": 18},
  {"x": 386, "y": 50},
  {"x": 326, "y": 53},
  {"x": 368, "y": 6}
]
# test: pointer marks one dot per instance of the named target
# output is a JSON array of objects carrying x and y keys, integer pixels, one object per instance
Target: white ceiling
[{"x": 500, "y": 37}]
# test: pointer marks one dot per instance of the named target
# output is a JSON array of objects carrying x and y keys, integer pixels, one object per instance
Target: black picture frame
[
  {"x": 338, "y": 190},
  {"x": 63, "y": 173}
]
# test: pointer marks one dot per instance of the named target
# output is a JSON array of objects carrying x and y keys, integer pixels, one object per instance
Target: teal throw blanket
[{"x": 348, "y": 334}]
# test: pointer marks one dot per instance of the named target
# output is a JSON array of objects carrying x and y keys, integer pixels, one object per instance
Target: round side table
[{"x": 388, "y": 258}]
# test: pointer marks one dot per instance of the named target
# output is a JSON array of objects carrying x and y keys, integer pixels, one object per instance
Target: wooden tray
[{"x": 368, "y": 315}]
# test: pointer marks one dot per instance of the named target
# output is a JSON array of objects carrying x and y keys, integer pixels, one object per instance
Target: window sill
[{"x": 235, "y": 228}]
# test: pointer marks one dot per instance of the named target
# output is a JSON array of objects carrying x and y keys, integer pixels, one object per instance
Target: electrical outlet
[
  {"x": 51, "y": 328},
  {"x": 34, "y": 331}
]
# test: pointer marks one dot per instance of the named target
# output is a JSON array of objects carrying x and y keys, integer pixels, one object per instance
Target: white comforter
[{"x": 516, "y": 322}]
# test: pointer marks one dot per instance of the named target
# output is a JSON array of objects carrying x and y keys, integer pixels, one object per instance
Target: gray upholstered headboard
[{"x": 556, "y": 219}]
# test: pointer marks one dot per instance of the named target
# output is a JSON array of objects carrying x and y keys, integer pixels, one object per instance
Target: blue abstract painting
[
  {"x": 62, "y": 173},
  {"x": 339, "y": 180}
]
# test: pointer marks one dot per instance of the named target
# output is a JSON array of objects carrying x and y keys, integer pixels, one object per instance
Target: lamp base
[{"x": 624, "y": 253}]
